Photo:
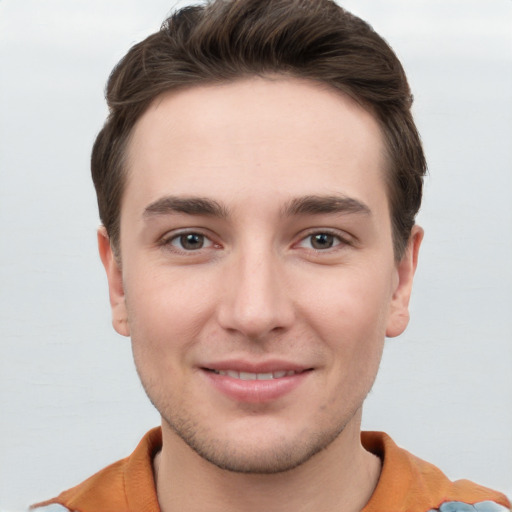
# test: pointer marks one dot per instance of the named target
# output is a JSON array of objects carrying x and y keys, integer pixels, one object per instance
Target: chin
[{"x": 261, "y": 454}]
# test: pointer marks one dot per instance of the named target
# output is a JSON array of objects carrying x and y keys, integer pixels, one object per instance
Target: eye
[
  {"x": 321, "y": 241},
  {"x": 190, "y": 242}
]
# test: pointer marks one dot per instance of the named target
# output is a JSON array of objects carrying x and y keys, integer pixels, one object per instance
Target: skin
[{"x": 289, "y": 259}]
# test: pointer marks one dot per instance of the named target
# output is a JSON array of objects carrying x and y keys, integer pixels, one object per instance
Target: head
[
  {"x": 258, "y": 178},
  {"x": 223, "y": 41}
]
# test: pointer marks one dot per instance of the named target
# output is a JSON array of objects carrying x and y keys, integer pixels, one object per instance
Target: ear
[
  {"x": 115, "y": 283},
  {"x": 398, "y": 317}
]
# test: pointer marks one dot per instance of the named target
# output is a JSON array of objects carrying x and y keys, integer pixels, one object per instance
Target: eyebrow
[
  {"x": 318, "y": 205},
  {"x": 306, "y": 205},
  {"x": 188, "y": 205}
]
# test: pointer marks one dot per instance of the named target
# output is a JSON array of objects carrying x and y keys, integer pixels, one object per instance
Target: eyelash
[
  {"x": 167, "y": 242},
  {"x": 339, "y": 240}
]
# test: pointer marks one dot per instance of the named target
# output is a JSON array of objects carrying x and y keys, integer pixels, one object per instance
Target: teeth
[{"x": 255, "y": 376}]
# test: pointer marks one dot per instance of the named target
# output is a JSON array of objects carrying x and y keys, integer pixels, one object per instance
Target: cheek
[
  {"x": 357, "y": 303},
  {"x": 166, "y": 315},
  {"x": 349, "y": 316},
  {"x": 165, "y": 294}
]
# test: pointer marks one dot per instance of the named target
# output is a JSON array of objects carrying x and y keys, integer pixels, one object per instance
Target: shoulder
[
  {"x": 410, "y": 483},
  {"x": 104, "y": 489},
  {"x": 125, "y": 485}
]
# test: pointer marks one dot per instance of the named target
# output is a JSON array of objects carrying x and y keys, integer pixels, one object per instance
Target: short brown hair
[{"x": 225, "y": 40}]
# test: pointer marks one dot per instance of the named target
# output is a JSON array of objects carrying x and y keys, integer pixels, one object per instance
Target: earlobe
[
  {"x": 115, "y": 283},
  {"x": 399, "y": 310}
]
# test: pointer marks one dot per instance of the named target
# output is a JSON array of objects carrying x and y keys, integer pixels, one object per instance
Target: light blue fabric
[
  {"x": 459, "y": 506},
  {"x": 490, "y": 506},
  {"x": 456, "y": 506}
]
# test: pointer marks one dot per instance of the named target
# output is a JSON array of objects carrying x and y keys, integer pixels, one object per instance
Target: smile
[
  {"x": 250, "y": 386},
  {"x": 255, "y": 376}
]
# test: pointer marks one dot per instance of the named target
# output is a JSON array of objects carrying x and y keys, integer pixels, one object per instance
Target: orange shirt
[{"x": 406, "y": 484}]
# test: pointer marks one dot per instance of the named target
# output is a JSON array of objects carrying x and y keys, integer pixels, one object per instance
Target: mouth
[
  {"x": 234, "y": 374},
  {"x": 249, "y": 383}
]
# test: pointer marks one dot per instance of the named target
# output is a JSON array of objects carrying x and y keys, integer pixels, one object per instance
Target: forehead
[{"x": 246, "y": 138}]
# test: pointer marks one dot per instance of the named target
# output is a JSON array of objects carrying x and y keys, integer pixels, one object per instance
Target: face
[{"x": 257, "y": 277}]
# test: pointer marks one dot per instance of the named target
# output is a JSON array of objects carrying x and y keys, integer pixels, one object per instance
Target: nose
[{"x": 256, "y": 300}]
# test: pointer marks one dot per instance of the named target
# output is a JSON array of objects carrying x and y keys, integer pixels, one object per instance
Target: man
[{"x": 258, "y": 179}]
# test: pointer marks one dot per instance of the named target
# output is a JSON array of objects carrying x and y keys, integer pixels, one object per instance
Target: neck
[{"x": 341, "y": 477}]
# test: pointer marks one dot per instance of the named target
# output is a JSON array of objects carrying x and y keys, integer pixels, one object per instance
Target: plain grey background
[{"x": 70, "y": 401}]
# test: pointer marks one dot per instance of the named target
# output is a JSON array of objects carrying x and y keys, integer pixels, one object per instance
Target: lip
[
  {"x": 269, "y": 366},
  {"x": 255, "y": 391}
]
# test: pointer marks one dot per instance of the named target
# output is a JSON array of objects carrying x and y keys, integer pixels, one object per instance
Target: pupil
[
  {"x": 192, "y": 241},
  {"x": 322, "y": 241}
]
